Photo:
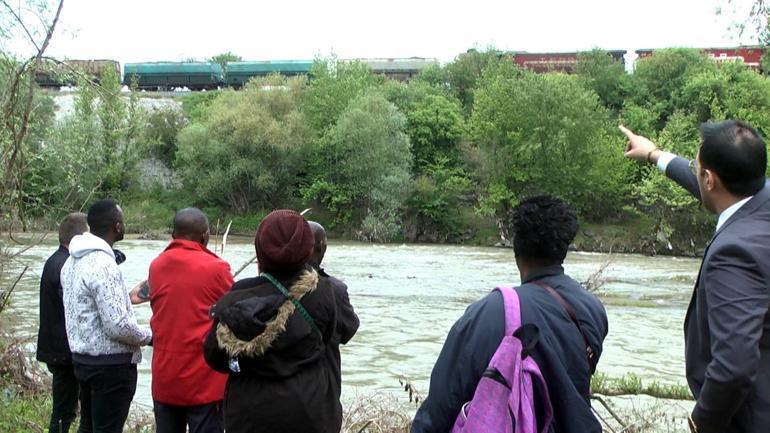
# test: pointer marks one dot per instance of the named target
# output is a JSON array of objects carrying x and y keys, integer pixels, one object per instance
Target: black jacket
[
  {"x": 727, "y": 327},
  {"x": 278, "y": 378},
  {"x": 52, "y": 345},
  {"x": 560, "y": 353}
]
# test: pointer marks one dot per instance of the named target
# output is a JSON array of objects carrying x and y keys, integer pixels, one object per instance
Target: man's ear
[{"x": 712, "y": 180}]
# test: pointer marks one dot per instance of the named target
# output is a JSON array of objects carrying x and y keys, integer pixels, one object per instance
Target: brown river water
[{"x": 408, "y": 296}]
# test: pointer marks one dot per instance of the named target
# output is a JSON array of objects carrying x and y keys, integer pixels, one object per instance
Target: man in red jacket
[{"x": 184, "y": 281}]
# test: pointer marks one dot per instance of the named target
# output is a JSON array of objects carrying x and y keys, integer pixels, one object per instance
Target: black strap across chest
[{"x": 571, "y": 313}]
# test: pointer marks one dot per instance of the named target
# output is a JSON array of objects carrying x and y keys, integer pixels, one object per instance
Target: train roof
[
  {"x": 738, "y": 47},
  {"x": 563, "y": 53},
  {"x": 172, "y": 67}
]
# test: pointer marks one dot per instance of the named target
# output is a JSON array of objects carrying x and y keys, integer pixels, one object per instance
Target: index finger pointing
[{"x": 626, "y": 131}]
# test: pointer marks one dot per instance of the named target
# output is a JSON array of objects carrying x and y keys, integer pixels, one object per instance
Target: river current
[{"x": 408, "y": 296}]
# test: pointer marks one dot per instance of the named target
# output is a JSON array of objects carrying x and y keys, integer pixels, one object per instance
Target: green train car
[
  {"x": 170, "y": 75},
  {"x": 238, "y": 73}
]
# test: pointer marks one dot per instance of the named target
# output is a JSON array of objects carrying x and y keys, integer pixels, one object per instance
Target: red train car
[
  {"x": 748, "y": 54},
  {"x": 555, "y": 62}
]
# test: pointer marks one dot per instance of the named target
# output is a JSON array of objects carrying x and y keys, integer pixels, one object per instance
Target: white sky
[{"x": 173, "y": 30}]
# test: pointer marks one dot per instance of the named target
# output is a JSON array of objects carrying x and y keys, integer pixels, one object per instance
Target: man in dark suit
[
  {"x": 347, "y": 320},
  {"x": 727, "y": 327}
]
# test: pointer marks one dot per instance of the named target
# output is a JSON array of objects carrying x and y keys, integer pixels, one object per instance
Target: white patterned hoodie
[{"x": 101, "y": 325}]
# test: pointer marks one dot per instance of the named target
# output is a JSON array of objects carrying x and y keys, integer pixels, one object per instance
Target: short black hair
[
  {"x": 102, "y": 215},
  {"x": 73, "y": 224},
  {"x": 543, "y": 228},
  {"x": 736, "y": 153},
  {"x": 190, "y": 222}
]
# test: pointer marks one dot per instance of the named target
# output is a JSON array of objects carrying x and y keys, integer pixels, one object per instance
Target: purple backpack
[{"x": 504, "y": 400}]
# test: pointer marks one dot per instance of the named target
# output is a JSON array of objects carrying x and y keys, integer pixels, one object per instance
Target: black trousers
[
  {"x": 105, "y": 397},
  {"x": 65, "y": 398},
  {"x": 205, "y": 418}
]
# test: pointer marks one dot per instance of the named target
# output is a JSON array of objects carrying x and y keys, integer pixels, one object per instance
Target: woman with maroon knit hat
[{"x": 270, "y": 334}]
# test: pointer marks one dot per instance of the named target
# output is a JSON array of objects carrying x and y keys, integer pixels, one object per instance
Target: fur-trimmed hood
[{"x": 250, "y": 323}]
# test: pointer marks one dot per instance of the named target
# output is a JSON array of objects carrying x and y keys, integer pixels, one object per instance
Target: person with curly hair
[{"x": 572, "y": 325}]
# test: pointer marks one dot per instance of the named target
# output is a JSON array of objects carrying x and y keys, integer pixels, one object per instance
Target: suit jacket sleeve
[
  {"x": 678, "y": 170},
  {"x": 466, "y": 354},
  {"x": 347, "y": 320},
  {"x": 738, "y": 301}
]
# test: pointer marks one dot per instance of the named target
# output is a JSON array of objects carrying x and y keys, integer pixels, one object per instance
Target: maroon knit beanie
[{"x": 284, "y": 241}]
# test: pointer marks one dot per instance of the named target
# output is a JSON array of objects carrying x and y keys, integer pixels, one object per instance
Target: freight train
[{"x": 209, "y": 75}]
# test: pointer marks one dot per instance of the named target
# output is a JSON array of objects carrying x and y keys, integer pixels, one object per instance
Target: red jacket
[{"x": 185, "y": 280}]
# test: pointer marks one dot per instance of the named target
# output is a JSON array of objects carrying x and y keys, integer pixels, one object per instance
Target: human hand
[
  {"x": 137, "y": 295},
  {"x": 639, "y": 148}
]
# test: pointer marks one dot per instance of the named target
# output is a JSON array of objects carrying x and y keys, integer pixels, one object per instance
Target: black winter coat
[
  {"x": 52, "y": 345},
  {"x": 279, "y": 379}
]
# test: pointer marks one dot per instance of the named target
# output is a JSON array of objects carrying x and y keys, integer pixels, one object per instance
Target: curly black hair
[{"x": 543, "y": 228}]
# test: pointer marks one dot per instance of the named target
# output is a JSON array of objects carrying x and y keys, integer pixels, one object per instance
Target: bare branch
[{"x": 21, "y": 23}]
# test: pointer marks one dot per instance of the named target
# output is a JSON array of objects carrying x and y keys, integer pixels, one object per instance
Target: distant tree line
[{"x": 441, "y": 158}]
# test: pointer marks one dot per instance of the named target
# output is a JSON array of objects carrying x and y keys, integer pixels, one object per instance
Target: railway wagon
[
  {"x": 169, "y": 75},
  {"x": 748, "y": 54},
  {"x": 555, "y": 62},
  {"x": 57, "y": 75},
  {"x": 399, "y": 69},
  {"x": 238, "y": 73}
]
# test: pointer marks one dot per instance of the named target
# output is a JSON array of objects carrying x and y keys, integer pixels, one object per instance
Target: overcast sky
[{"x": 174, "y": 30}]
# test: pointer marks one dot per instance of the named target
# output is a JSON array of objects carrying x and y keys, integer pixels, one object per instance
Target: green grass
[{"x": 631, "y": 384}]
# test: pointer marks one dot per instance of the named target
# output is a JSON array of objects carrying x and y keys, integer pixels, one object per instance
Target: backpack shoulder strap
[
  {"x": 573, "y": 317},
  {"x": 511, "y": 308}
]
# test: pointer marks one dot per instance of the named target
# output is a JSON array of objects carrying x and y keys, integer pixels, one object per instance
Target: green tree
[
  {"x": 333, "y": 84},
  {"x": 465, "y": 71},
  {"x": 605, "y": 75},
  {"x": 547, "y": 134},
  {"x": 730, "y": 91},
  {"x": 658, "y": 80},
  {"x": 362, "y": 168},
  {"x": 223, "y": 58},
  {"x": 437, "y": 202},
  {"x": 435, "y": 126},
  {"x": 161, "y": 131},
  {"x": 245, "y": 155}
]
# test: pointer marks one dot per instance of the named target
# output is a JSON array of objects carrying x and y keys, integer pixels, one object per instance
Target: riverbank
[{"x": 638, "y": 236}]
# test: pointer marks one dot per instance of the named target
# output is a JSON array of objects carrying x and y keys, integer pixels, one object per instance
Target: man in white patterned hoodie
[{"x": 102, "y": 330}]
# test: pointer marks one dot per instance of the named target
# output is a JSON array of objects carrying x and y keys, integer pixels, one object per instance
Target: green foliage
[
  {"x": 547, "y": 134},
  {"x": 437, "y": 201},
  {"x": 434, "y": 125},
  {"x": 195, "y": 105},
  {"x": 731, "y": 91},
  {"x": 605, "y": 75},
  {"x": 245, "y": 154},
  {"x": 223, "y": 58},
  {"x": 92, "y": 152},
  {"x": 361, "y": 168},
  {"x": 464, "y": 73},
  {"x": 333, "y": 84},
  {"x": 160, "y": 133},
  {"x": 631, "y": 384},
  {"x": 24, "y": 414},
  {"x": 658, "y": 80}
]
